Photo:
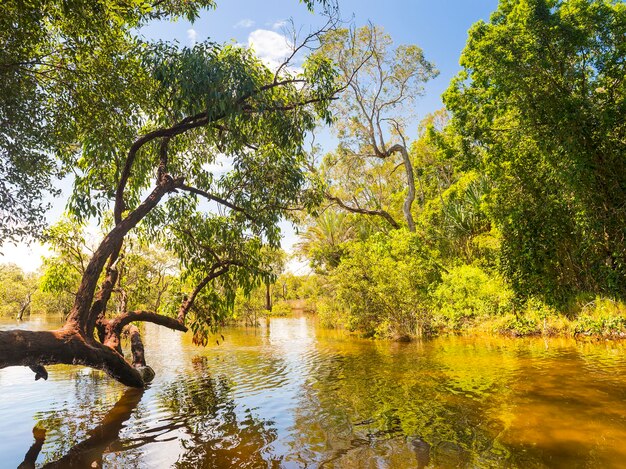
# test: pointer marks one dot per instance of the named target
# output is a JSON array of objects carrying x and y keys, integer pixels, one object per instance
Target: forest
[{"x": 502, "y": 213}]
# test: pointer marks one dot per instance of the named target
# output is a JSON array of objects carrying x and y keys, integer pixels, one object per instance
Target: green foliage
[
  {"x": 69, "y": 76},
  {"x": 249, "y": 307},
  {"x": 63, "y": 270},
  {"x": 541, "y": 115},
  {"x": 224, "y": 103},
  {"x": 602, "y": 317},
  {"x": 468, "y": 292},
  {"x": 382, "y": 286},
  {"x": 518, "y": 326},
  {"x": 16, "y": 289},
  {"x": 280, "y": 309},
  {"x": 455, "y": 218},
  {"x": 324, "y": 240},
  {"x": 329, "y": 315},
  {"x": 59, "y": 277}
]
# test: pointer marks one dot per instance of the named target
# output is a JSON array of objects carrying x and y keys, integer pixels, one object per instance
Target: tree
[
  {"x": 16, "y": 290},
  {"x": 540, "y": 105},
  {"x": 274, "y": 264},
  {"x": 323, "y": 240},
  {"x": 182, "y": 108},
  {"x": 63, "y": 270},
  {"x": 382, "y": 84},
  {"x": 64, "y": 71},
  {"x": 381, "y": 286}
]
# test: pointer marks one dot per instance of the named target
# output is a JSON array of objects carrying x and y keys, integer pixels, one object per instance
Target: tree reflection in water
[
  {"x": 102, "y": 439},
  {"x": 202, "y": 415},
  {"x": 215, "y": 432},
  {"x": 400, "y": 410},
  {"x": 346, "y": 403}
]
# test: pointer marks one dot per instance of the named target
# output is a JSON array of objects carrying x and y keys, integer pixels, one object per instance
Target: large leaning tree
[{"x": 144, "y": 158}]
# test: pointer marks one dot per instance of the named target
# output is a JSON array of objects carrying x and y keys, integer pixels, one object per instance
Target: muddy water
[{"x": 289, "y": 394}]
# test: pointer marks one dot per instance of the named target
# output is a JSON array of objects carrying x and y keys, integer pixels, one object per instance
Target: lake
[{"x": 291, "y": 394}]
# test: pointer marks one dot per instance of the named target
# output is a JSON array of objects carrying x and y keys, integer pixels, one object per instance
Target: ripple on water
[{"x": 292, "y": 395}]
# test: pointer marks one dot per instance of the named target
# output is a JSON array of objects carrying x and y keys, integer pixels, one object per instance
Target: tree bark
[
  {"x": 64, "y": 346},
  {"x": 410, "y": 181}
]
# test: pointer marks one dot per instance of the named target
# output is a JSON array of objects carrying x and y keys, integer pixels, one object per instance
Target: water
[{"x": 289, "y": 394}]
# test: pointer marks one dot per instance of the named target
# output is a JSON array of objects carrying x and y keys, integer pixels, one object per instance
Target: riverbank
[
  {"x": 598, "y": 319},
  {"x": 510, "y": 325}
]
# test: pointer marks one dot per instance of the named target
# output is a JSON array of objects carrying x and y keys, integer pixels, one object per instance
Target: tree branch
[
  {"x": 217, "y": 199},
  {"x": 183, "y": 126},
  {"x": 117, "y": 324},
  {"x": 188, "y": 303},
  {"x": 363, "y": 211}
]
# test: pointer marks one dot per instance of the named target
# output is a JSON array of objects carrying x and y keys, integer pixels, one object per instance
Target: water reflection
[
  {"x": 103, "y": 438},
  {"x": 212, "y": 432},
  {"x": 398, "y": 408},
  {"x": 291, "y": 395}
]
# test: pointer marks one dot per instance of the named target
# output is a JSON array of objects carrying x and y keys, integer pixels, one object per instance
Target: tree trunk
[
  {"x": 33, "y": 452},
  {"x": 36, "y": 349},
  {"x": 268, "y": 297},
  {"x": 80, "y": 316},
  {"x": 90, "y": 452},
  {"x": 24, "y": 307},
  {"x": 410, "y": 197}
]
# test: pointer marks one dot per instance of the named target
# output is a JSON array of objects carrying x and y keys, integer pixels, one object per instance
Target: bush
[
  {"x": 279, "y": 309},
  {"x": 467, "y": 291},
  {"x": 602, "y": 316},
  {"x": 381, "y": 286},
  {"x": 328, "y": 314}
]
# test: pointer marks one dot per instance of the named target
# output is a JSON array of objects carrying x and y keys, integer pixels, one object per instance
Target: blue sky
[{"x": 439, "y": 27}]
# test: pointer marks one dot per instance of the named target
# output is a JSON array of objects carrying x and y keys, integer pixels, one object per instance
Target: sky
[{"x": 439, "y": 27}]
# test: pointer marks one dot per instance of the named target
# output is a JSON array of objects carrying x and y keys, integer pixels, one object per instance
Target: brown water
[{"x": 290, "y": 394}]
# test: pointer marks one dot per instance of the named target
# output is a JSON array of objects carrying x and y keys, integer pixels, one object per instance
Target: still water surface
[{"x": 289, "y": 394}]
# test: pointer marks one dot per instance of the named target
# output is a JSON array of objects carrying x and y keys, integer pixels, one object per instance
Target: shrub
[
  {"x": 382, "y": 285},
  {"x": 602, "y": 316},
  {"x": 328, "y": 314},
  {"x": 279, "y": 309},
  {"x": 467, "y": 291}
]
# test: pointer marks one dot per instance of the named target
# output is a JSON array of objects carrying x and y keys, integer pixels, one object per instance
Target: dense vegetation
[
  {"x": 505, "y": 211},
  {"x": 519, "y": 215}
]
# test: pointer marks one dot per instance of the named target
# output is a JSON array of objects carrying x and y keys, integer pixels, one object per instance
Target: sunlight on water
[{"x": 288, "y": 394}]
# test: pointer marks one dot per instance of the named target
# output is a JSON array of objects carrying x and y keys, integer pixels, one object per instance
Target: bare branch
[
  {"x": 363, "y": 211},
  {"x": 117, "y": 324}
]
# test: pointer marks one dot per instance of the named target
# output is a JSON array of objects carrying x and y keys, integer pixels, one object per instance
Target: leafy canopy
[{"x": 540, "y": 105}]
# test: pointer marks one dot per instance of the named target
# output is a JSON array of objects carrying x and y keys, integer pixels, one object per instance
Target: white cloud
[
  {"x": 271, "y": 47},
  {"x": 244, "y": 23},
  {"x": 220, "y": 166},
  {"x": 192, "y": 35},
  {"x": 279, "y": 24}
]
